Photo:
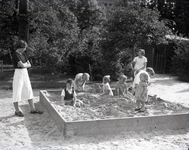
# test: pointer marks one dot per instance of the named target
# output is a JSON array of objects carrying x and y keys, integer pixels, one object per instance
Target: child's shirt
[
  {"x": 137, "y": 78},
  {"x": 68, "y": 94},
  {"x": 139, "y": 62},
  {"x": 121, "y": 86},
  {"x": 141, "y": 92},
  {"x": 106, "y": 87}
]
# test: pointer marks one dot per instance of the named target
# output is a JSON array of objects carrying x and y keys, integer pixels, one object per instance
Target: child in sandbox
[
  {"x": 106, "y": 86},
  {"x": 68, "y": 95},
  {"x": 121, "y": 86},
  {"x": 141, "y": 93},
  {"x": 140, "y": 62},
  {"x": 80, "y": 80}
]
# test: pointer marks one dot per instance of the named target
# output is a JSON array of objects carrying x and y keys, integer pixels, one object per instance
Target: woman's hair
[
  {"x": 142, "y": 51},
  {"x": 69, "y": 81},
  {"x": 20, "y": 44}
]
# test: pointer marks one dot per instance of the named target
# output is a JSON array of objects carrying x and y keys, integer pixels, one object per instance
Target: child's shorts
[{"x": 69, "y": 102}]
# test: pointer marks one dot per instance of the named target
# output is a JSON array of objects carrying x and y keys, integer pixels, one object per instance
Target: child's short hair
[
  {"x": 69, "y": 81},
  {"x": 20, "y": 44},
  {"x": 106, "y": 78},
  {"x": 150, "y": 71},
  {"x": 124, "y": 77},
  {"x": 142, "y": 51},
  {"x": 143, "y": 76}
]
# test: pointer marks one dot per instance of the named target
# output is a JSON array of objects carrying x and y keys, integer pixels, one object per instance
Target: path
[{"x": 170, "y": 89}]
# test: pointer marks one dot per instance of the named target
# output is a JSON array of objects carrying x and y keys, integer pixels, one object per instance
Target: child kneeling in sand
[
  {"x": 121, "y": 86},
  {"x": 106, "y": 86},
  {"x": 141, "y": 93},
  {"x": 68, "y": 95}
]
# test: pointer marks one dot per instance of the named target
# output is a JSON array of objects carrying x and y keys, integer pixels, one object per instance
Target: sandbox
[{"x": 119, "y": 122}]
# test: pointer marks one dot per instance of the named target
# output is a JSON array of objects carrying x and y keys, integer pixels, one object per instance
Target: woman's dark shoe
[
  {"x": 36, "y": 112},
  {"x": 19, "y": 114},
  {"x": 137, "y": 109}
]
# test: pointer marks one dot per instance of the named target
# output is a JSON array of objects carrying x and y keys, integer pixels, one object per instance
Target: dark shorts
[{"x": 69, "y": 102}]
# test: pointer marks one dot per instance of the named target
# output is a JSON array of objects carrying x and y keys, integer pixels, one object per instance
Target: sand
[
  {"x": 108, "y": 107},
  {"x": 40, "y": 132}
]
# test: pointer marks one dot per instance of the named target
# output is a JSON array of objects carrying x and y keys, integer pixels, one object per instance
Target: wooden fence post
[{"x": 1, "y": 64}]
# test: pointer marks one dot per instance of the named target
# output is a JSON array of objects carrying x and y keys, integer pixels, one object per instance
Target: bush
[{"x": 181, "y": 60}]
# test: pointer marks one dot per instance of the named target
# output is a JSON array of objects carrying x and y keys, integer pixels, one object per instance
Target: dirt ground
[{"x": 40, "y": 132}]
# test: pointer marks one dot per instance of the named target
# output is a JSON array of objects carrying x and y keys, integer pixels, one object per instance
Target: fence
[
  {"x": 1, "y": 65},
  {"x": 157, "y": 62}
]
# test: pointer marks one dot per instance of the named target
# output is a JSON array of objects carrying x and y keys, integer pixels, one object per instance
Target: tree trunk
[{"x": 23, "y": 28}]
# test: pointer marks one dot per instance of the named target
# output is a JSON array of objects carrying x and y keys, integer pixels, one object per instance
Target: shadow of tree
[{"x": 40, "y": 126}]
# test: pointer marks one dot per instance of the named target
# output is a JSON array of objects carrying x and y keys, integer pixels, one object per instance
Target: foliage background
[{"x": 72, "y": 36}]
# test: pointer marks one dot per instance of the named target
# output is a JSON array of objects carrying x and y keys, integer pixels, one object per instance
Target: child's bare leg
[
  {"x": 138, "y": 104},
  {"x": 143, "y": 106}
]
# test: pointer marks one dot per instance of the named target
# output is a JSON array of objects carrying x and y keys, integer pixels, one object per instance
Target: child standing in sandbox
[
  {"x": 106, "y": 86},
  {"x": 141, "y": 93},
  {"x": 140, "y": 62}
]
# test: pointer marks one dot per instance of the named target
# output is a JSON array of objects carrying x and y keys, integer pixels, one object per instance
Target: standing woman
[{"x": 22, "y": 89}]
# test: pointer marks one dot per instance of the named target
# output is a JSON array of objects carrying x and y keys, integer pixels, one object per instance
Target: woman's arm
[
  {"x": 144, "y": 66},
  {"x": 24, "y": 65}
]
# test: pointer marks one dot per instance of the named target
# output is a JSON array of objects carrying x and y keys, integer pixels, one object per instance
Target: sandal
[
  {"x": 36, "y": 112},
  {"x": 19, "y": 114}
]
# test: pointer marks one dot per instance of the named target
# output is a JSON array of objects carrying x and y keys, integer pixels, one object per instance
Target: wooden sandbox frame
[{"x": 113, "y": 126}]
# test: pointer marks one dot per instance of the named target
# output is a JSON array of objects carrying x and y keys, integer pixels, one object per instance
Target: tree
[
  {"x": 8, "y": 25},
  {"x": 90, "y": 20},
  {"x": 175, "y": 13},
  {"x": 129, "y": 27},
  {"x": 180, "y": 61},
  {"x": 54, "y": 33}
]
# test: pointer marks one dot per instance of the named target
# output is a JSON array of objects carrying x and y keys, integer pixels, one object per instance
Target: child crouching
[
  {"x": 106, "y": 86},
  {"x": 68, "y": 95},
  {"x": 121, "y": 86}
]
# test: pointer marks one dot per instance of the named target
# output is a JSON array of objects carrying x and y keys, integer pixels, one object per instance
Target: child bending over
[
  {"x": 80, "y": 81},
  {"x": 141, "y": 93},
  {"x": 106, "y": 86}
]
